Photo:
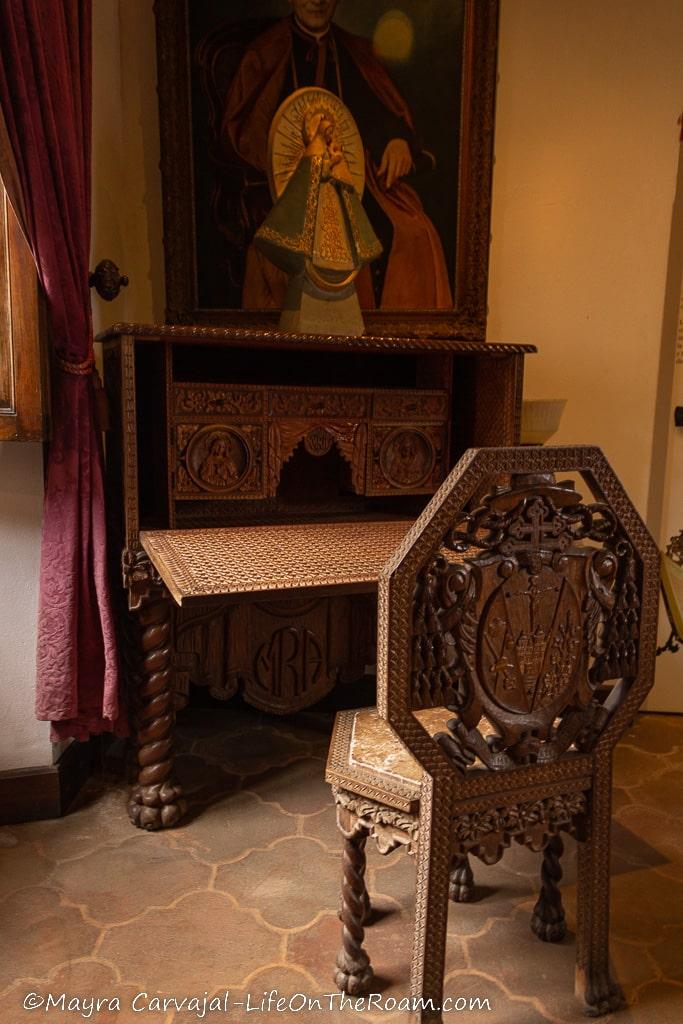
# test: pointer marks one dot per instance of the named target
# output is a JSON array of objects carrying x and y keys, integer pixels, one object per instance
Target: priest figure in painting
[{"x": 308, "y": 49}]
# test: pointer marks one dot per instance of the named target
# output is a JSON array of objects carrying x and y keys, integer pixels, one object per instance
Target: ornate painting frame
[{"x": 477, "y": 71}]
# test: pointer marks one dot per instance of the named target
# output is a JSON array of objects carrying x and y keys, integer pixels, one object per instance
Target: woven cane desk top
[{"x": 197, "y": 564}]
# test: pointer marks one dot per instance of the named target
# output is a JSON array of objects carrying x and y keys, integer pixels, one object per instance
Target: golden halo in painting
[{"x": 286, "y": 138}]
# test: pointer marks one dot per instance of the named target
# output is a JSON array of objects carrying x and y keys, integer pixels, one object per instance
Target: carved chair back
[{"x": 513, "y": 601}]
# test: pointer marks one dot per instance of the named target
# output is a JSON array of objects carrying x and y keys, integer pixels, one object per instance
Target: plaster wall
[
  {"x": 587, "y": 233},
  {"x": 126, "y": 182},
  {"x": 584, "y": 182}
]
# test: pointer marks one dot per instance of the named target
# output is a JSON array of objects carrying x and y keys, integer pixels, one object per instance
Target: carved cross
[{"x": 537, "y": 529}]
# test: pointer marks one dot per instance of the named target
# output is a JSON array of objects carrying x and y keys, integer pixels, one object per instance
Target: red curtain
[{"x": 45, "y": 94}]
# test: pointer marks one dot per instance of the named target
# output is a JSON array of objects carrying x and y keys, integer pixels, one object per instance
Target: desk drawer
[{"x": 231, "y": 441}]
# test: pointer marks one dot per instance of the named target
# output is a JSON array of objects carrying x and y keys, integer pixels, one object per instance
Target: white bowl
[{"x": 541, "y": 419}]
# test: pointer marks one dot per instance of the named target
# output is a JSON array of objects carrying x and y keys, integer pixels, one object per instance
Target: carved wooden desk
[
  {"x": 221, "y": 428},
  {"x": 305, "y": 561}
]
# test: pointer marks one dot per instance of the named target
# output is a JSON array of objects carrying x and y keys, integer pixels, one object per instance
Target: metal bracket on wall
[{"x": 107, "y": 280}]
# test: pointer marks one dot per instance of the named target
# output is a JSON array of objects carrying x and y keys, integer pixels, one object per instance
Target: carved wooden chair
[{"x": 517, "y": 633}]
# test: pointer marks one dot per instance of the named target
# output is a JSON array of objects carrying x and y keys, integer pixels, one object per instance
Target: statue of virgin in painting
[{"x": 317, "y": 231}]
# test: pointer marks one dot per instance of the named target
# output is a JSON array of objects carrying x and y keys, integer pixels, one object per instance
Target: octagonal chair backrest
[{"x": 524, "y": 604}]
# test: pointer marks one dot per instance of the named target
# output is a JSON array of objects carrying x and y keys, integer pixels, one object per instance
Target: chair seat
[{"x": 367, "y": 757}]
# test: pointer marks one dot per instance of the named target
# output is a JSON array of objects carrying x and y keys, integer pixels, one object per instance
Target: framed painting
[{"x": 419, "y": 79}]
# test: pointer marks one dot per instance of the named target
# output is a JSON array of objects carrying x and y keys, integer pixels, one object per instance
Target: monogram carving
[
  {"x": 282, "y": 655},
  {"x": 318, "y": 441},
  {"x": 292, "y": 661},
  {"x": 288, "y": 654},
  {"x": 349, "y": 438}
]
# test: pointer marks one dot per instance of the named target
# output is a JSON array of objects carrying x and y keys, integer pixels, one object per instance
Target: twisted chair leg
[
  {"x": 353, "y": 974},
  {"x": 156, "y": 801},
  {"x": 461, "y": 884},
  {"x": 547, "y": 921},
  {"x": 367, "y": 908}
]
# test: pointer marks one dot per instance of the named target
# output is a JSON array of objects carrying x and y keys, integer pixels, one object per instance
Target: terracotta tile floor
[{"x": 243, "y": 895}]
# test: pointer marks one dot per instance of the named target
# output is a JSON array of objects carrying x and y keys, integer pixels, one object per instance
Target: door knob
[{"x": 678, "y": 415}]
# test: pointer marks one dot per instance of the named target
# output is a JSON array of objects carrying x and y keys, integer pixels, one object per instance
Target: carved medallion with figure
[
  {"x": 222, "y": 460},
  {"x": 406, "y": 458},
  {"x": 218, "y": 460}
]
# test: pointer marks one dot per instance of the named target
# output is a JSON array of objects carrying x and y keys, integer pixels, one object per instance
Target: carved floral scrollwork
[
  {"x": 205, "y": 399},
  {"x": 487, "y": 834},
  {"x": 444, "y": 634},
  {"x": 617, "y": 657},
  {"x": 390, "y": 828}
]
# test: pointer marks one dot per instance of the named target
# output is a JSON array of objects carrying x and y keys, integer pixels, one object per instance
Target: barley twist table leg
[{"x": 156, "y": 801}]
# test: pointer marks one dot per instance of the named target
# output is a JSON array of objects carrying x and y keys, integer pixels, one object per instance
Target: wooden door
[{"x": 23, "y": 392}]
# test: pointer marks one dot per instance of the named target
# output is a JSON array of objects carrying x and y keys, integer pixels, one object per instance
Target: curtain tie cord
[{"x": 79, "y": 369}]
